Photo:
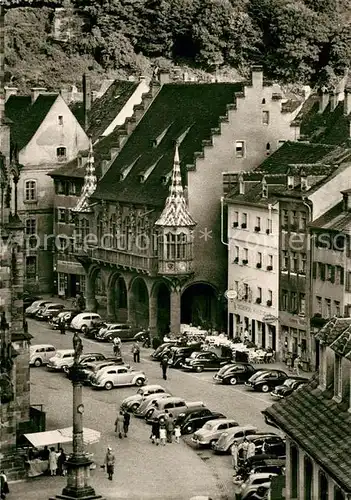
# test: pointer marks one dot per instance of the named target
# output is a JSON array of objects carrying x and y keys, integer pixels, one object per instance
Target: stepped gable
[
  {"x": 27, "y": 117},
  {"x": 90, "y": 181},
  {"x": 105, "y": 109},
  {"x": 188, "y": 107},
  {"x": 329, "y": 127},
  {"x": 320, "y": 426}
]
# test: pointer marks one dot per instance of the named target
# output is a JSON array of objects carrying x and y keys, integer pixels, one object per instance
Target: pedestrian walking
[
  {"x": 251, "y": 450},
  {"x": 164, "y": 366},
  {"x": 61, "y": 459},
  {"x": 62, "y": 326},
  {"x": 119, "y": 424},
  {"x": 234, "y": 450},
  {"x": 169, "y": 428},
  {"x": 52, "y": 461},
  {"x": 163, "y": 433},
  {"x": 4, "y": 487},
  {"x": 296, "y": 367},
  {"x": 126, "y": 422},
  {"x": 117, "y": 347},
  {"x": 155, "y": 433},
  {"x": 177, "y": 433},
  {"x": 109, "y": 463},
  {"x": 136, "y": 352},
  {"x": 243, "y": 449},
  {"x": 289, "y": 361}
]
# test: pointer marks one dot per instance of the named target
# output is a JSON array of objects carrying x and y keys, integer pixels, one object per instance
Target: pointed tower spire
[
  {"x": 90, "y": 182},
  {"x": 175, "y": 212}
]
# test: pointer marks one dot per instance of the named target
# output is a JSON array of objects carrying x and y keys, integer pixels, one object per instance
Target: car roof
[
  {"x": 35, "y": 346},
  {"x": 216, "y": 421},
  {"x": 262, "y": 435},
  {"x": 55, "y": 304},
  {"x": 174, "y": 399},
  {"x": 261, "y": 475},
  {"x": 242, "y": 428},
  {"x": 152, "y": 386},
  {"x": 65, "y": 351}
]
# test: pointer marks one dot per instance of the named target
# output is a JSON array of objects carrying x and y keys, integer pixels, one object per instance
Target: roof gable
[
  {"x": 195, "y": 108},
  {"x": 27, "y": 117}
]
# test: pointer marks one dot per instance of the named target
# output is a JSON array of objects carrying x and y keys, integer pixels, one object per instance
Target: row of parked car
[
  {"x": 96, "y": 369},
  {"x": 212, "y": 429}
]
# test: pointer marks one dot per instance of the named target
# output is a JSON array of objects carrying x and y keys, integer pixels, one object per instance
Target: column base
[{"x": 74, "y": 497}]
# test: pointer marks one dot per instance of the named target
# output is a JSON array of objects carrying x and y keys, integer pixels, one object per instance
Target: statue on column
[{"x": 77, "y": 346}]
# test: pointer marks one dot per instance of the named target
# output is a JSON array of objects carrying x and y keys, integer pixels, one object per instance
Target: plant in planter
[{"x": 269, "y": 303}]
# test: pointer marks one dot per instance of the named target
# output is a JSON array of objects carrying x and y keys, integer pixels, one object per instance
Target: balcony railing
[{"x": 124, "y": 259}]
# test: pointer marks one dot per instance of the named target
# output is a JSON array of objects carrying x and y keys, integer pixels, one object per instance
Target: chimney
[
  {"x": 323, "y": 100},
  {"x": 164, "y": 77},
  {"x": 333, "y": 99},
  {"x": 257, "y": 76},
  {"x": 104, "y": 167},
  {"x": 347, "y": 102},
  {"x": 35, "y": 93},
  {"x": 241, "y": 184},
  {"x": 87, "y": 98},
  {"x": 2, "y": 63},
  {"x": 9, "y": 91}
]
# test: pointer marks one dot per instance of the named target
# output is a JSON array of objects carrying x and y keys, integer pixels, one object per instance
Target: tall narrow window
[
  {"x": 31, "y": 226},
  {"x": 265, "y": 117},
  {"x": 294, "y": 302},
  {"x": 269, "y": 226},
  {"x": 319, "y": 306},
  {"x": 244, "y": 220},
  {"x": 61, "y": 153},
  {"x": 31, "y": 266},
  {"x": 240, "y": 149},
  {"x": 302, "y": 303},
  {"x": 259, "y": 295},
  {"x": 60, "y": 120},
  {"x": 328, "y": 307},
  {"x": 30, "y": 191},
  {"x": 285, "y": 300}
]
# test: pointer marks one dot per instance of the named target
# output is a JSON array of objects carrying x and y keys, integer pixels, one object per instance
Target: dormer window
[
  {"x": 241, "y": 184},
  {"x": 290, "y": 182},
  {"x": 61, "y": 153},
  {"x": 338, "y": 377},
  {"x": 268, "y": 148},
  {"x": 303, "y": 180},
  {"x": 264, "y": 188}
]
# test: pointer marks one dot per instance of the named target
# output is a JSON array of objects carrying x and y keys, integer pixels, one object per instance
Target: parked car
[
  {"x": 88, "y": 370},
  {"x": 163, "y": 349},
  {"x": 204, "y": 360},
  {"x": 212, "y": 431},
  {"x": 268, "y": 441},
  {"x": 62, "y": 359},
  {"x": 115, "y": 376},
  {"x": 143, "y": 337},
  {"x": 174, "y": 405},
  {"x": 273, "y": 466},
  {"x": 289, "y": 386},
  {"x": 132, "y": 402},
  {"x": 253, "y": 482},
  {"x": 67, "y": 316},
  {"x": 234, "y": 373},
  {"x": 109, "y": 327},
  {"x": 33, "y": 308},
  {"x": 85, "y": 359},
  {"x": 28, "y": 299},
  {"x": 84, "y": 320},
  {"x": 194, "y": 420},
  {"x": 178, "y": 355},
  {"x": 40, "y": 354},
  {"x": 266, "y": 380},
  {"x": 228, "y": 437},
  {"x": 148, "y": 402},
  {"x": 49, "y": 311},
  {"x": 124, "y": 334}
]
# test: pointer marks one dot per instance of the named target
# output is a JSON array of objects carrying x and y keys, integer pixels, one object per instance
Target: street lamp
[{"x": 78, "y": 465}]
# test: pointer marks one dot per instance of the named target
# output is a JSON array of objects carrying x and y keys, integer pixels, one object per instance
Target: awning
[
  {"x": 89, "y": 435},
  {"x": 40, "y": 439}
]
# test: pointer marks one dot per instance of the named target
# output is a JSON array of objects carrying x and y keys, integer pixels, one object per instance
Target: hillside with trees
[{"x": 301, "y": 41}]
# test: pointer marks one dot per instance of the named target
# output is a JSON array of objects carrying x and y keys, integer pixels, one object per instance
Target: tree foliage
[{"x": 294, "y": 40}]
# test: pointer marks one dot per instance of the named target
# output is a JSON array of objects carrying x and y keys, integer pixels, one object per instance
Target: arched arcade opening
[
  {"x": 139, "y": 303},
  {"x": 199, "y": 306}
]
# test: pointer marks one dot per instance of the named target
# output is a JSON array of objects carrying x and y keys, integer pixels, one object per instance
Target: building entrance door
[
  {"x": 72, "y": 285},
  {"x": 231, "y": 325}
]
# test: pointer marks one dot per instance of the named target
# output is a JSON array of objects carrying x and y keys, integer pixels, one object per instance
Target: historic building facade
[
  {"x": 214, "y": 126},
  {"x": 316, "y": 421}
]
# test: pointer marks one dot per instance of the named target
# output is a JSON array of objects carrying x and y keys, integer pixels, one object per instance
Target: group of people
[
  {"x": 122, "y": 424},
  {"x": 164, "y": 429},
  {"x": 55, "y": 459},
  {"x": 293, "y": 363},
  {"x": 242, "y": 452}
]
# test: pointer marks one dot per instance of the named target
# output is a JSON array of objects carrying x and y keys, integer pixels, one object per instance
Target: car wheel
[
  {"x": 84, "y": 329},
  {"x": 65, "y": 369},
  {"x": 212, "y": 442},
  {"x": 265, "y": 388},
  {"x": 108, "y": 386},
  {"x": 233, "y": 380},
  {"x": 199, "y": 369},
  {"x": 149, "y": 413},
  {"x": 134, "y": 407},
  {"x": 139, "y": 381},
  {"x": 38, "y": 362},
  {"x": 189, "y": 429}
]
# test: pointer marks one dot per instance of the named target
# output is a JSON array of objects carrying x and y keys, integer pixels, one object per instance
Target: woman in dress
[{"x": 52, "y": 461}]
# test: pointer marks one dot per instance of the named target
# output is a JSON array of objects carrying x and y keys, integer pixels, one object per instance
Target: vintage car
[
  {"x": 40, "y": 354},
  {"x": 83, "y": 321},
  {"x": 49, "y": 311},
  {"x": 178, "y": 355},
  {"x": 266, "y": 380},
  {"x": 62, "y": 360},
  {"x": 132, "y": 402},
  {"x": 289, "y": 386},
  {"x": 194, "y": 420},
  {"x": 35, "y": 306},
  {"x": 234, "y": 373},
  {"x": 212, "y": 431},
  {"x": 148, "y": 402},
  {"x": 174, "y": 406},
  {"x": 89, "y": 369},
  {"x": 117, "y": 376},
  {"x": 228, "y": 437},
  {"x": 204, "y": 360}
]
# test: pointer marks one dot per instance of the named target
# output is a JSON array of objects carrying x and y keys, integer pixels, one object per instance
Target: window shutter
[
  {"x": 341, "y": 275},
  {"x": 314, "y": 270},
  {"x": 322, "y": 271},
  {"x": 332, "y": 274}
]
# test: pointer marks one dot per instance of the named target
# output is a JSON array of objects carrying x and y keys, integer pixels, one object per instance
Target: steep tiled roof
[
  {"x": 107, "y": 107},
  {"x": 332, "y": 330},
  {"x": 321, "y": 426},
  {"x": 336, "y": 219},
  {"x": 90, "y": 181},
  {"x": 26, "y": 122},
  {"x": 189, "y": 110}
]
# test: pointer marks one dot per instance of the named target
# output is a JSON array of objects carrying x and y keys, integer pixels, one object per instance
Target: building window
[
  {"x": 285, "y": 219},
  {"x": 236, "y": 254},
  {"x": 235, "y": 219},
  {"x": 328, "y": 308},
  {"x": 259, "y": 294},
  {"x": 30, "y": 191},
  {"x": 31, "y": 226},
  {"x": 265, "y": 117},
  {"x": 60, "y": 187},
  {"x": 285, "y": 300},
  {"x": 60, "y": 120},
  {"x": 322, "y": 271},
  {"x": 61, "y": 215},
  {"x": 246, "y": 255},
  {"x": 259, "y": 259},
  {"x": 171, "y": 246},
  {"x": 337, "y": 308},
  {"x": 61, "y": 153},
  {"x": 270, "y": 262},
  {"x": 236, "y": 286},
  {"x": 70, "y": 216},
  {"x": 319, "y": 305},
  {"x": 31, "y": 266},
  {"x": 303, "y": 221},
  {"x": 72, "y": 188},
  {"x": 244, "y": 220},
  {"x": 270, "y": 296},
  {"x": 339, "y": 275},
  {"x": 268, "y": 148},
  {"x": 240, "y": 149},
  {"x": 258, "y": 223},
  {"x": 285, "y": 260},
  {"x": 62, "y": 282},
  {"x": 294, "y": 302},
  {"x": 302, "y": 303},
  {"x": 293, "y": 220},
  {"x": 294, "y": 262},
  {"x": 338, "y": 376},
  {"x": 269, "y": 226},
  {"x": 303, "y": 261}
]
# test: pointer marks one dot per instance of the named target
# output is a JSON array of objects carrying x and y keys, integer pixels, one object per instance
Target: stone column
[
  {"x": 331, "y": 489},
  {"x": 288, "y": 471},
  {"x": 111, "y": 298},
  {"x": 301, "y": 477},
  {"x": 91, "y": 303},
  {"x": 315, "y": 481},
  {"x": 131, "y": 307},
  {"x": 175, "y": 311},
  {"x": 153, "y": 316}
]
